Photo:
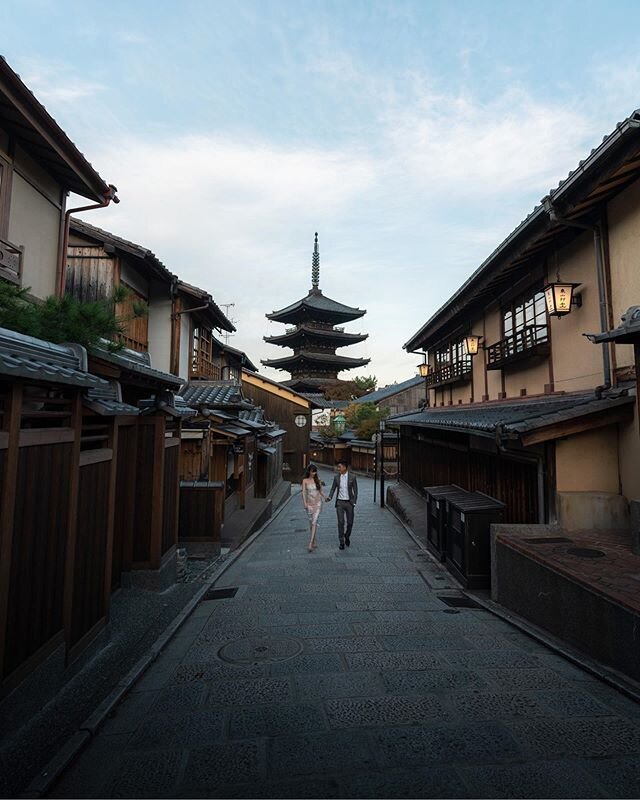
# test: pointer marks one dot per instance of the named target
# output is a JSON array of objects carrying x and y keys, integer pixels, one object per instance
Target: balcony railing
[
  {"x": 530, "y": 342},
  {"x": 458, "y": 372},
  {"x": 10, "y": 261},
  {"x": 203, "y": 368}
]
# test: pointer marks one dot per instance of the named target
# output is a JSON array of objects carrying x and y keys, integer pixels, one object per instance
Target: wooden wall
[
  {"x": 429, "y": 461},
  {"x": 283, "y": 411}
]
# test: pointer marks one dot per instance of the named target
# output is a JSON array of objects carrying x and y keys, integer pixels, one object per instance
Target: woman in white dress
[{"x": 312, "y": 498}]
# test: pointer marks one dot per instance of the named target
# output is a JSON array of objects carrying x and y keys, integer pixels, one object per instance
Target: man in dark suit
[{"x": 345, "y": 486}]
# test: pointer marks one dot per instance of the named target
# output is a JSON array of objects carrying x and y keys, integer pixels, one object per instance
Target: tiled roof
[
  {"x": 341, "y": 362},
  {"x": 34, "y": 359},
  {"x": 214, "y": 394},
  {"x": 139, "y": 364},
  {"x": 137, "y": 250},
  {"x": 245, "y": 361},
  {"x": 389, "y": 391},
  {"x": 316, "y": 301},
  {"x": 318, "y": 399},
  {"x": 107, "y": 400},
  {"x": 511, "y": 418},
  {"x": 46, "y": 138}
]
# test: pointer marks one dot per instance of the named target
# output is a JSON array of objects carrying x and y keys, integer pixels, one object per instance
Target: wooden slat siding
[
  {"x": 200, "y": 518},
  {"x": 91, "y": 549},
  {"x": 147, "y": 534},
  {"x": 73, "y": 480},
  {"x": 124, "y": 507},
  {"x": 170, "y": 496},
  {"x": 90, "y": 273},
  {"x": 11, "y": 422},
  {"x": 513, "y": 481},
  {"x": 41, "y": 521},
  {"x": 136, "y": 329}
]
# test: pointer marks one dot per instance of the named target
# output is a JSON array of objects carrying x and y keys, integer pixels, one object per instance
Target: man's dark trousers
[{"x": 344, "y": 510}]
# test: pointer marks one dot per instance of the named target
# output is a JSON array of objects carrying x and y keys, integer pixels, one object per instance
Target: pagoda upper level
[{"x": 314, "y": 337}]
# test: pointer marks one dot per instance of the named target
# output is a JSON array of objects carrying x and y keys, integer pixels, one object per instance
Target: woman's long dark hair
[{"x": 307, "y": 474}]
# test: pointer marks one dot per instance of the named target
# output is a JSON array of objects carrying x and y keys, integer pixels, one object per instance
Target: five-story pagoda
[{"x": 314, "y": 365}]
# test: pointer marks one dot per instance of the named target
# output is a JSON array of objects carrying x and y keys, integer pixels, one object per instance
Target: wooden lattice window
[
  {"x": 136, "y": 325},
  {"x": 203, "y": 361},
  {"x": 46, "y": 407}
]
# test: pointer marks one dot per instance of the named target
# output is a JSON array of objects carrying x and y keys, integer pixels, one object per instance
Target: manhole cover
[
  {"x": 260, "y": 650},
  {"x": 459, "y": 602},
  {"x": 585, "y": 552},
  {"x": 548, "y": 540},
  {"x": 220, "y": 594}
]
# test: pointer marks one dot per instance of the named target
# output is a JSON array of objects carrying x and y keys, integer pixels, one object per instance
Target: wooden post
[
  {"x": 7, "y": 508},
  {"x": 113, "y": 445},
  {"x": 74, "y": 483},
  {"x": 157, "y": 491}
]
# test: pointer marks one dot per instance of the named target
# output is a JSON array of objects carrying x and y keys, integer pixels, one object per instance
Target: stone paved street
[{"x": 342, "y": 674}]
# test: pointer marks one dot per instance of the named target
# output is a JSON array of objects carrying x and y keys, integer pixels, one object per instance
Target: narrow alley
[{"x": 343, "y": 674}]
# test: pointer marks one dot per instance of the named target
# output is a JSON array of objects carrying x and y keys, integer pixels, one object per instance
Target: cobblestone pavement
[{"x": 342, "y": 674}]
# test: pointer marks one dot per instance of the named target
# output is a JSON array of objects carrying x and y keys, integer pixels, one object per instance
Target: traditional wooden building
[
  {"x": 397, "y": 397},
  {"x": 291, "y": 411},
  {"x": 517, "y": 393},
  {"x": 314, "y": 364},
  {"x": 231, "y": 455}
]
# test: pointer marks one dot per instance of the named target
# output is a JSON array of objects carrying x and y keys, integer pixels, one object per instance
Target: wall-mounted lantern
[
  {"x": 560, "y": 297},
  {"x": 339, "y": 422},
  {"x": 472, "y": 344},
  {"x": 424, "y": 369}
]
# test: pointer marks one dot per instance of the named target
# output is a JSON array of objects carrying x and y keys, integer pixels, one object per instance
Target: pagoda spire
[{"x": 315, "y": 267}]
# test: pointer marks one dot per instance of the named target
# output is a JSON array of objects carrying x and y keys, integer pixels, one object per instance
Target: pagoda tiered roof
[
  {"x": 316, "y": 307},
  {"x": 295, "y": 361},
  {"x": 332, "y": 337}
]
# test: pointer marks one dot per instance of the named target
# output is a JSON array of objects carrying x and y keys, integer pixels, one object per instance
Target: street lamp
[
  {"x": 382, "y": 427},
  {"x": 472, "y": 344},
  {"x": 424, "y": 369},
  {"x": 559, "y": 298}
]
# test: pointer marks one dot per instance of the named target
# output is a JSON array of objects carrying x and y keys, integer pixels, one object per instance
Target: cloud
[{"x": 56, "y": 83}]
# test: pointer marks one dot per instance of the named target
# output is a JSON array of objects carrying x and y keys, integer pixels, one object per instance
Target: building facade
[{"x": 522, "y": 405}]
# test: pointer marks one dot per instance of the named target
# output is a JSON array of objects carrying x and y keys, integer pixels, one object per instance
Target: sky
[{"x": 412, "y": 135}]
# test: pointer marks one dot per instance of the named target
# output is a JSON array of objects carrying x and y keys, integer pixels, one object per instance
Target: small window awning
[
  {"x": 529, "y": 421},
  {"x": 233, "y": 431},
  {"x": 628, "y": 332},
  {"x": 275, "y": 434}
]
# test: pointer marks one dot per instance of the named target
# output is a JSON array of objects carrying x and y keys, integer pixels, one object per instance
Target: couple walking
[{"x": 346, "y": 487}]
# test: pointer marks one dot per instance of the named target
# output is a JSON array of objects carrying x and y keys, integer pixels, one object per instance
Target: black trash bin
[
  {"x": 437, "y": 497},
  {"x": 468, "y": 537}
]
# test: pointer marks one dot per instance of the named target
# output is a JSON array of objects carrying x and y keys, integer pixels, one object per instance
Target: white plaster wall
[
  {"x": 185, "y": 346},
  {"x": 34, "y": 222},
  {"x": 160, "y": 327}
]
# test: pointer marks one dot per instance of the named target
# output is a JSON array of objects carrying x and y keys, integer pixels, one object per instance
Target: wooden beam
[
  {"x": 578, "y": 425},
  {"x": 72, "y": 531},
  {"x": 7, "y": 510}
]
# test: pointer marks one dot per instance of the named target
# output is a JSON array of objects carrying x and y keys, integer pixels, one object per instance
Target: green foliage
[
  {"x": 366, "y": 384},
  {"x": 328, "y": 431},
  {"x": 66, "y": 319},
  {"x": 363, "y": 418}
]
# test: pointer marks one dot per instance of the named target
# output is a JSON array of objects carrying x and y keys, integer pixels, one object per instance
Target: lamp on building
[
  {"x": 472, "y": 344},
  {"x": 339, "y": 423},
  {"x": 559, "y": 298},
  {"x": 424, "y": 369}
]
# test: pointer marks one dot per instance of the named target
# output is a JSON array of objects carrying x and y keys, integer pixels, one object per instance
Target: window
[
  {"x": 202, "y": 359},
  {"x": 453, "y": 354},
  {"x": 530, "y": 312}
]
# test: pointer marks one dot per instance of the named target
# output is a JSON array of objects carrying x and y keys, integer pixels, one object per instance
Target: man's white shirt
[{"x": 343, "y": 490}]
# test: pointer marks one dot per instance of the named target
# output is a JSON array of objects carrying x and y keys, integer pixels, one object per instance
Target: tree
[
  {"x": 66, "y": 319},
  {"x": 363, "y": 418},
  {"x": 366, "y": 384}
]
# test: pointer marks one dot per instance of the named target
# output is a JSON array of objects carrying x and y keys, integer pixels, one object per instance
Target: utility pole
[{"x": 226, "y": 307}]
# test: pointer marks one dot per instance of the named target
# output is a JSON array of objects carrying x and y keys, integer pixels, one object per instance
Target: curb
[
  {"x": 72, "y": 748},
  {"x": 606, "y": 674}
]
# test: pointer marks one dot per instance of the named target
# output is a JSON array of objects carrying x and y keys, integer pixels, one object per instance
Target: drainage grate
[
  {"x": 547, "y": 540},
  {"x": 585, "y": 552},
  {"x": 459, "y": 602},
  {"x": 220, "y": 594}
]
